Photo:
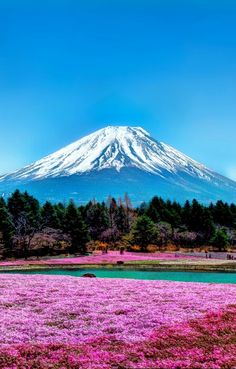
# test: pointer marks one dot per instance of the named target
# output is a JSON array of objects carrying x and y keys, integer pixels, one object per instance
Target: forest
[{"x": 31, "y": 229}]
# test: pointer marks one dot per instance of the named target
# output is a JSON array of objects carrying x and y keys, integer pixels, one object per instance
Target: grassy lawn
[{"x": 142, "y": 262}]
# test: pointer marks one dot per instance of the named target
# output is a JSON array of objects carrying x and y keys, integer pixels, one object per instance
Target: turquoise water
[{"x": 211, "y": 277}]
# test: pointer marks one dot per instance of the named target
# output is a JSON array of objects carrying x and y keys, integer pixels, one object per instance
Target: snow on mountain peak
[{"x": 113, "y": 147}]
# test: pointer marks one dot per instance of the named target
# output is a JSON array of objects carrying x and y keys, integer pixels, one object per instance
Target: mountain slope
[{"x": 121, "y": 159}]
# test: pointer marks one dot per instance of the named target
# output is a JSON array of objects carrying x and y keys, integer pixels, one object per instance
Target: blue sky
[{"x": 68, "y": 68}]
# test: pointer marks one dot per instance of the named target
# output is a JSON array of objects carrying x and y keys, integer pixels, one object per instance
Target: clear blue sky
[{"x": 68, "y": 68}]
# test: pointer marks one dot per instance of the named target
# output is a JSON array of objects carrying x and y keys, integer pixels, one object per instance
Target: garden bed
[{"x": 58, "y": 321}]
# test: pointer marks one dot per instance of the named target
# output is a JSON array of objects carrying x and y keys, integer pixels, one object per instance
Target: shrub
[
  {"x": 152, "y": 248},
  {"x": 135, "y": 248}
]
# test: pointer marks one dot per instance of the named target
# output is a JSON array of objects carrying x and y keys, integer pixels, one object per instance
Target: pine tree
[
  {"x": 76, "y": 228},
  {"x": 196, "y": 215},
  {"x": 120, "y": 219},
  {"x": 49, "y": 216},
  {"x": 16, "y": 204},
  {"x": 96, "y": 217},
  {"x": 154, "y": 210},
  {"x": 60, "y": 214},
  {"x": 24, "y": 204},
  {"x": 186, "y": 213},
  {"x": 207, "y": 225},
  {"x": 6, "y": 229},
  {"x": 32, "y": 210}
]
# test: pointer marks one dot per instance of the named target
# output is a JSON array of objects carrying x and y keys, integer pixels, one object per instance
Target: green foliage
[
  {"x": 60, "y": 214},
  {"x": 76, "y": 228},
  {"x": 24, "y": 204},
  {"x": 6, "y": 228},
  {"x": 158, "y": 222},
  {"x": 220, "y": 240},
  {"x": 143, "y": 231},
  {"x": 96, "y": 217},
  {"x": 49, "y": 216}
]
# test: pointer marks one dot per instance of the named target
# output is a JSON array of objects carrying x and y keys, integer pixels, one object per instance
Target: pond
[{"x": 207, "y": 277}]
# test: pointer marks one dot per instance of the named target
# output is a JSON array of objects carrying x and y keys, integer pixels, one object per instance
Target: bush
[
  {"x": 172, "y": 247},
  {"x": 135, "y": 248},
  {"x": 152, "y": 248}
]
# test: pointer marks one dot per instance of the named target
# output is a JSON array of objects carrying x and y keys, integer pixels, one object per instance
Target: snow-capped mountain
[
  {"x": 120, "y": 158},
  {"x": 112, "y": 147}
]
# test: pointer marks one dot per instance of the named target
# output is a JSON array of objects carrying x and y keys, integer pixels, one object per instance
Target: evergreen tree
[
  {"x": 24, "y": 204},
  {"x": 186, "y": 213},
  {"x": 32, "y": 210},
  {"x": 6, "y": 228},
  {"x": 25, "y": 218},
  {"x": 207, "y": 225},
  {"x": 172, "y": 213},
  {"x": 120, "y": 219},
  {"x": 196, "y": 215},
  {"x": 142, "y": 209},
  {"x": 60, "y": 214},
  {"x": 97, "y": 219},
  {"x": 76, "y": 228},
  {"x": 143, "y": 231},
  {"x": 49, "y": 216},
  {"x": 222, "y": 214},
  {"x": 16, "y": 204},
  {"x": 154, "y": 209}
]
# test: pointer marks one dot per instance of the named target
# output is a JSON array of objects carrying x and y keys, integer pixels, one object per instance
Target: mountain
[{"x": 115, "y": 160}]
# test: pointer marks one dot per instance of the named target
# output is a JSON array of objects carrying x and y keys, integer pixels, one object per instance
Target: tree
[
  {"x": 185, "y": 238},
  {"x": 120, "y": 219},
  {"x": 154, "y": 209},
  {"x": 76, "y": 228},
  {"x": 6, "y": 228},
  {"x": 186, "y": 213},
  {"x": 60, "y": 214},
  {"x": 222, "y": 214},
  {"x": 49, "y": 216},
  {"x": 172, "y": 217},
  {"x": 220, "y": 240},
  {"x": 25, "y": 219},
  {"x": 112, "y": 207},
  {"x": 195, "y": 218},
  {"x": 110, "y": 235},
  {"x": 24, "y": 231},
  {"x": 96, "y": 217},
  {"x": 164, "y": 233},
  {"x": 128, "y": 211},
  {"x": 16, "y": 204},
  {"x": 207, "y": 225},
  {"x": 143, "y": 231},
  {"x": 142, "y": 209}
]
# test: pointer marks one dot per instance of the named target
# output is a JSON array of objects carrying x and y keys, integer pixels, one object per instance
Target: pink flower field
[
  {"x": 111, "y": 258},
  {"x": 66, "y": 322}
]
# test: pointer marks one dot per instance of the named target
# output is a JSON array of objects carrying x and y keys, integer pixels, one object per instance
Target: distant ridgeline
[{"x": 28, "y": 228}]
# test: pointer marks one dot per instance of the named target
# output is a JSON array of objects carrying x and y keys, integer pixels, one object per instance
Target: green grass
[{"x": 141, "y": 262}]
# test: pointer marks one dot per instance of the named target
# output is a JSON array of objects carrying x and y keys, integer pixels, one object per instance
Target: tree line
[{"x": 28, "y": 228}]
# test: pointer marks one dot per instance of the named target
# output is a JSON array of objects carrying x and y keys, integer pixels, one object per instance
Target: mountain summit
[
  {"x": 118, "y": 159},
  {"x": 112, "y": 147}
]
